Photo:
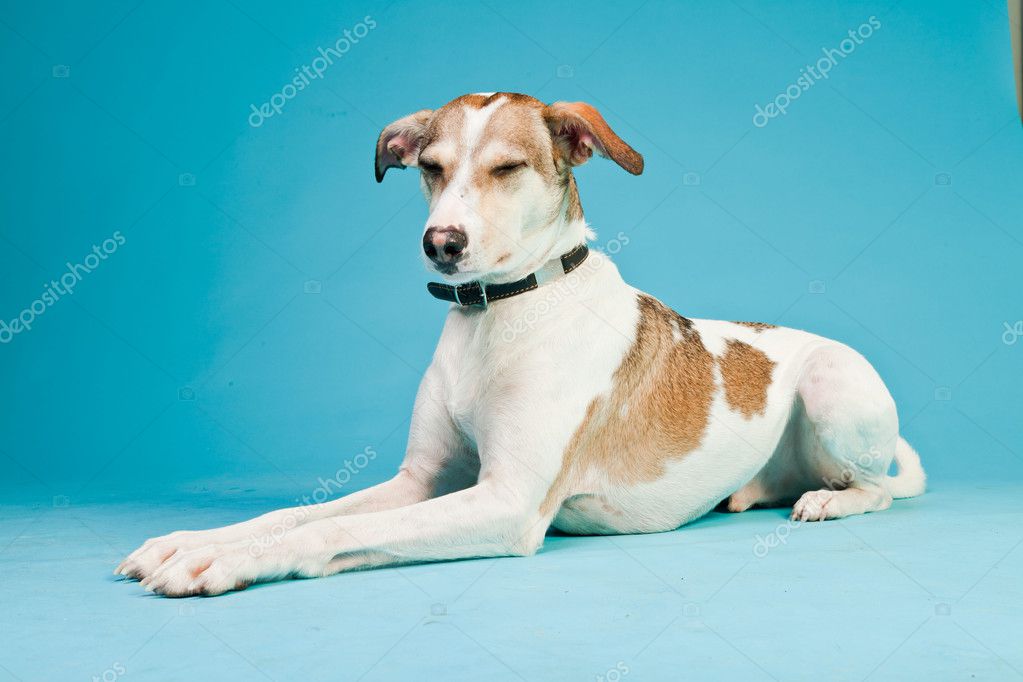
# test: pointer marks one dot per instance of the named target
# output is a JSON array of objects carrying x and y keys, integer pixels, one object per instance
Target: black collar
[{"x": 475, "y": 293}]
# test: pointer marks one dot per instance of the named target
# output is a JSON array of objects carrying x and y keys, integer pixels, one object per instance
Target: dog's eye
[
  {"x": 507, "y": 168},
  {"x": 430, "y": 168}
]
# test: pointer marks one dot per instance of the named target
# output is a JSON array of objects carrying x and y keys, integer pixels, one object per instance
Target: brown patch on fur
[
  {"x": 757, "y": 326},
  {"x": 476, "y": 101},
  {"x": 746, "y": 373},
  {"x": 657, "y": 410},
  {"x": 575, "y": 207},
  {"x": 570, "y": 122}
]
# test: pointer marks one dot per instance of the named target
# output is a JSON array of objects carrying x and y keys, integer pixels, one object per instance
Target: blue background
[{"x": 267, "y": 319}]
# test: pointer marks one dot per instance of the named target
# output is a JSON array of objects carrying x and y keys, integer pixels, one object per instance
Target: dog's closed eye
[
  {"x": 430, "y": 167},
  {"x": 508, "y": 168}
]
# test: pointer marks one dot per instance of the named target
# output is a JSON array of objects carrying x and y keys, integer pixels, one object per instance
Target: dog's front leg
[
  {"x": 437, "y": 460},
  {"x": 493, "y": 518},
  {"x": 403, "y": 489}
]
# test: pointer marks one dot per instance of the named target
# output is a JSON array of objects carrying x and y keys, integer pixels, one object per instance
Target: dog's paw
[
  {"x": 813, "y": 506},
  {"x": 739, "y": 502},
  {"x": 155, "y": 551},
  {"x": 209, "y": 570},
  {"x": 216, "y": 569}
]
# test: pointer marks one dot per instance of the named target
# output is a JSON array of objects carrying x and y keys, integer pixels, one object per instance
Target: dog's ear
[
  {"x": 400, "y": 143},
  {"x": 578, "y": 130}
]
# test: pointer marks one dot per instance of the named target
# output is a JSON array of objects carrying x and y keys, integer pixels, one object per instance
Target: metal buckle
[{"x": 483, "y": 292}]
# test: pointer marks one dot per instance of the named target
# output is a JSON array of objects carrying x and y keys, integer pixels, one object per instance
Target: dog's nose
[{"x": 444, "y": 245}]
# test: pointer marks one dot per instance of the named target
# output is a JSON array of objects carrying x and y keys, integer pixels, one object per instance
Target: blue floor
[{"x": 927, "y": 590}]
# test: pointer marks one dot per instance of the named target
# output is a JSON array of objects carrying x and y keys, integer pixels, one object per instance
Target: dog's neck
[
  {"x": 570, "y": 234},
  {"x": 572, "y": 208},
  {"x": 569, "y": 230}
]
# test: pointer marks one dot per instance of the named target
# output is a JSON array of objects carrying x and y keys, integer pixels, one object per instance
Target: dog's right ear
[{"x": 400, "y": 143}]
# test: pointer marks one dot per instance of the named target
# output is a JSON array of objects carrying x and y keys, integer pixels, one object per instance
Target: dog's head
[{"x": 496, "y": 170}]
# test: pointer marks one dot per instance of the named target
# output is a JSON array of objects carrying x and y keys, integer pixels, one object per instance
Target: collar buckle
[
  {"x": 550, "y": 271},
  {"x": 467, "y": 287}
]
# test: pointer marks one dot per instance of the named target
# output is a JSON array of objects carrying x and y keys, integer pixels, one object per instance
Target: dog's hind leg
[{"x": 848, "y": 437}]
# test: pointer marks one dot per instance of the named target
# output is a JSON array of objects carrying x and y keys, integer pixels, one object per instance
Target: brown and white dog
[{"x": 607, "y": 413}]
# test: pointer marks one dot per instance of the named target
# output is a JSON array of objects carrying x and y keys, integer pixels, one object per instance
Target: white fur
[{"x": 495, "y": 412}]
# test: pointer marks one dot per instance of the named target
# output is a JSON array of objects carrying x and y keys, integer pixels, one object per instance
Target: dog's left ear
[
  {"x": 579, "y": 130},
  {"x": 400, "y": 143}
]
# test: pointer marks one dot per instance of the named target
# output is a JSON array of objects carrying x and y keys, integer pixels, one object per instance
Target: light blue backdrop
[{"x": 265, "y": 318}]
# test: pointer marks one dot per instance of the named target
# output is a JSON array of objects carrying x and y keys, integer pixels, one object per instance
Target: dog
[{"x": 559, "y": 396}]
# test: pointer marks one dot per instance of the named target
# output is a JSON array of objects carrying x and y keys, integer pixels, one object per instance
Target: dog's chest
[
  {"x": 468, "y": 370},
  {"x": 464, "y": 403},
  {"x": 477, "y": 381},
  {"x": 491, "y": 377},
  {"x": 545, "y": 376}
]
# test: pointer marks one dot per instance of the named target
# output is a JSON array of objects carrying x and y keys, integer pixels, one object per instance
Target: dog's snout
[{"x": 444, "y": 245}]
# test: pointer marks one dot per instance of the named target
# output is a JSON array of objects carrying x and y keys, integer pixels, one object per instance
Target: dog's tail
[{"x": 911, "y": 480}]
